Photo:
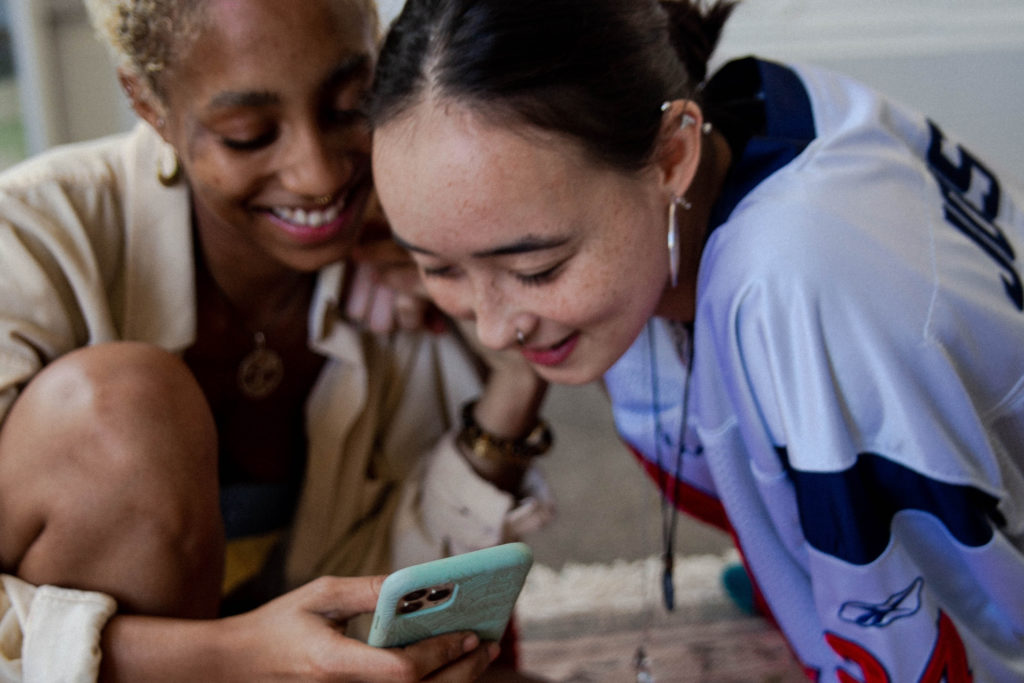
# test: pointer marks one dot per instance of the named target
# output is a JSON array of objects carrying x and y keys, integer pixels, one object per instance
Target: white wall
[
  {"x": 957, "y": 60},
  {"x": 67, "y": 84}
]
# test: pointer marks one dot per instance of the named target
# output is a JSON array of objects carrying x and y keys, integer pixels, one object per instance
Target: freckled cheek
[
  {"x": 576, "y": 303},
  {"x": 602, "y": 286}
]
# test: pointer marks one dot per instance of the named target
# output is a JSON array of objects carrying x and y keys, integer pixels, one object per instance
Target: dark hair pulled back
[{"x": 596, "y": 71}]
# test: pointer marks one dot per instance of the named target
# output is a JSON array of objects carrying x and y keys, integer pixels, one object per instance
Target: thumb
[{"x": 341, "y": 598}]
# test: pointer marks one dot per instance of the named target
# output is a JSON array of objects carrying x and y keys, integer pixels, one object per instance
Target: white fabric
[{"x": 50, "y": 634}]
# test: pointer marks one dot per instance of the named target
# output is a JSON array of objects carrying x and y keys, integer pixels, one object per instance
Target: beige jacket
[{"x": 94, "y": 249}]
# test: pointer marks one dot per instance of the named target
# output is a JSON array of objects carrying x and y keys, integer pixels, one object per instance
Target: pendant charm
[
  {"x": 261, "y": 371},
  {"x": 643, "y": 666},
  {"x": 668, "y": 590}
]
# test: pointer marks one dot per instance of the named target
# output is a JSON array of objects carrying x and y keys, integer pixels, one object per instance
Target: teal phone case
[{"x": 474, "y": 591}]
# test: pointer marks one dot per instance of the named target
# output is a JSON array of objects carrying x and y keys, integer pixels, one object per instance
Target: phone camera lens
[
  {"x": 405, "y": 607},
  {"x": 439, "y": 594},
  {"x": 415, "y": 595}
]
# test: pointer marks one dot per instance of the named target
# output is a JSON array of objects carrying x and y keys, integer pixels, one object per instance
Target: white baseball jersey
[{"x": 857, "y": 389}]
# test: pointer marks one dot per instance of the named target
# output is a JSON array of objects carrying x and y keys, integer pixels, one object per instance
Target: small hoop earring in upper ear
[
  {"x": 673, "y": 236},
  {"x": 687, "y": 119}
]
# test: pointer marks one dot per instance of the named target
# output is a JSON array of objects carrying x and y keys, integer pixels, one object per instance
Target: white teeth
[{"x": 309, "y": 219}]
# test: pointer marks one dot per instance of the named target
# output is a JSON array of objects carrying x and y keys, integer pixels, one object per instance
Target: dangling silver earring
[{"x": 673, "y": 236}]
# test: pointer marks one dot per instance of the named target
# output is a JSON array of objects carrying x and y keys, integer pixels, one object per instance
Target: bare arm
[{"x": 299, "y": 636}]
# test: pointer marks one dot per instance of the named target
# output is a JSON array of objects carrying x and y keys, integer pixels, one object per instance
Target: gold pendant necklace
[{"x": 260, "y": 371}]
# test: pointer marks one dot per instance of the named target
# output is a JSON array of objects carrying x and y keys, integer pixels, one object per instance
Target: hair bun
[{"x": 694, "y": 31}]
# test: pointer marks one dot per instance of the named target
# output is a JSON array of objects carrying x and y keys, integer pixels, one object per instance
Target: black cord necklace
[
  {"x": 683, "y": 337},
  {"x": 670, "y": 500}
]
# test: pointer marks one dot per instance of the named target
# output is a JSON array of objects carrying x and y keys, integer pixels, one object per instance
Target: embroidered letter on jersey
[{"x": 971, "y": 193}]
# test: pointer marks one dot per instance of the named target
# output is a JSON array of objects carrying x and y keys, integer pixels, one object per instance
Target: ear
[
  {"x": 679, "y": 146},
  {"x": 143, "y": 101}
]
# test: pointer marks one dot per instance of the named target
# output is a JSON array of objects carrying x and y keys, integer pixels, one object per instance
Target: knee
[
  {"x": 109, "y": 401},
  {"x": 105, "y": 382},
  {"x": 113, "y": 439}
]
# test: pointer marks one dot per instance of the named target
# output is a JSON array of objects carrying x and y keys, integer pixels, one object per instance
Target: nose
[
  {"x": 495, "y": 319},
  {"x": 316, "y": 165}
]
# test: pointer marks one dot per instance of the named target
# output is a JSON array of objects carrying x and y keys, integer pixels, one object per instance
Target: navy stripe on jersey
[
  {"x": 849, "y": 514},
  {"x": 765, "y": 112}
]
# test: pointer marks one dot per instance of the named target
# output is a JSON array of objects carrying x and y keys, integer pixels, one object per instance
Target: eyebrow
[
  {"x": 351, "y": 67},
  {"x": 523, "y": 246},
  {"x": 234, "y": 99}
]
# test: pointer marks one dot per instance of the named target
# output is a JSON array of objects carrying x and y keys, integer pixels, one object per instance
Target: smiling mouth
[
  {"x": 552, "y": 355},
  {"x": 311, "y": 218}
]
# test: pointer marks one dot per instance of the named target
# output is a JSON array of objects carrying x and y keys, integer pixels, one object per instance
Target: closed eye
[
  {"x": 250, "y": 144},
  {"x": 543, "y": 277}
]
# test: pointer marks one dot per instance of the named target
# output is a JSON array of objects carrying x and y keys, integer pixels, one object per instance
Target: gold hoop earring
[
  {"x": 168, "y": 168},
  {"x": 673, "y": 236}
]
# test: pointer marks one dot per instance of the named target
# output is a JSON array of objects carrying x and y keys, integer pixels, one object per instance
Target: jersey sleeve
[{"x": 879, "y": 519}]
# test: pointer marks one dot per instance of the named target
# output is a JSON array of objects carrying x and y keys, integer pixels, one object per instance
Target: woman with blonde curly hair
[{"x": 195, "y": 426}]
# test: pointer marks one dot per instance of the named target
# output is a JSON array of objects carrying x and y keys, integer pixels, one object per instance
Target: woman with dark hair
[{"x": 803, "y": 300}]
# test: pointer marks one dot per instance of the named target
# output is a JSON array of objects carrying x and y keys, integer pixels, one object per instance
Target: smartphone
[{"x": 474, "y": 591}]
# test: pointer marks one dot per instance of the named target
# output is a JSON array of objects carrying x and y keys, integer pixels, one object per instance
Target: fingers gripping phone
[{"x": 475, "y": 591}]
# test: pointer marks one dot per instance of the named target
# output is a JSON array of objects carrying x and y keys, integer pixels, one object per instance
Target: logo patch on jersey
[
  {"x": 947, "y": 662},
  {"x": 899, "y": 605}
]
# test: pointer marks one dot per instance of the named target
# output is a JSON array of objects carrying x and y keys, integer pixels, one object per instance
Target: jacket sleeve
[
  {"x": 48, "y": 633},
  {"x": 61, "y": 248},
  {"x": 449, "y": 509},
  {"x": 445, "y": 507}
]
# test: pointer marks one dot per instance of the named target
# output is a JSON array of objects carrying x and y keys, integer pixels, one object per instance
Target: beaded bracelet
[{"x": 498, "y": 449}]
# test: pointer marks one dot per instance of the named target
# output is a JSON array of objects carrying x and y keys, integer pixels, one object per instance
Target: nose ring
[
  {"x": 323, "y": 200},
  {"x": 520, "y": 337}
]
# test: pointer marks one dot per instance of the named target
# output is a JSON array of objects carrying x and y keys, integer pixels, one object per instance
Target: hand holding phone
[{"x": 474, "y": 591}]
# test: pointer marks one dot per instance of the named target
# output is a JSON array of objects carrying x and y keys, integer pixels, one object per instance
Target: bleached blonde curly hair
[{"x": 147, "y": 36}]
